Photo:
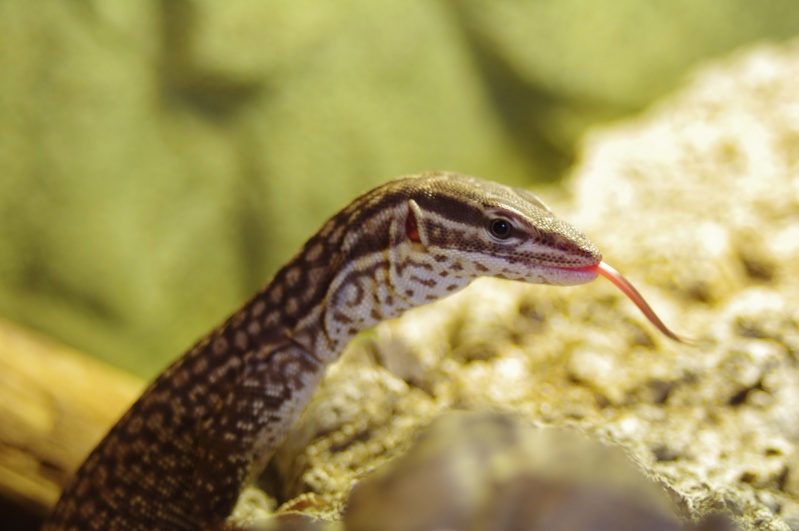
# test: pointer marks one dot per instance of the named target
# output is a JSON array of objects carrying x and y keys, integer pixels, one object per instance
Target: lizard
[{"x": 178, "y": 459}]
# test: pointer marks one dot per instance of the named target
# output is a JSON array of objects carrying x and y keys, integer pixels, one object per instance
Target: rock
[
  {"x": 695, "y": 201},
  {"x": 487, "y": 472}
]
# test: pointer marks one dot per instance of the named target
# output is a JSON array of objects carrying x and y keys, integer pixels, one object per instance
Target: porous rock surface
[{"x": 697, "y": 202}]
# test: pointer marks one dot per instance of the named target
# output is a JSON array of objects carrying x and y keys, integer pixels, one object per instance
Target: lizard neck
[{"x": 360, "y": 269}]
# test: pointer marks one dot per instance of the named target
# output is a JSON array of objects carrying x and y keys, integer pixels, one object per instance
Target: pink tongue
[{"x": 628, "y": 289}]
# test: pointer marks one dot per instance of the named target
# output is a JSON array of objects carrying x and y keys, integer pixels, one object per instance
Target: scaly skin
[{"x": 178, "y": 459}]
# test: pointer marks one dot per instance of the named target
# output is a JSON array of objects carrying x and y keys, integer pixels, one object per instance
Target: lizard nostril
[{"x": 564, "y": 246}]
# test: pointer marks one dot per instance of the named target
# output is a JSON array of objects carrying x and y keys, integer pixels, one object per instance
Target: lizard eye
[{"x": 500, "y": 228}]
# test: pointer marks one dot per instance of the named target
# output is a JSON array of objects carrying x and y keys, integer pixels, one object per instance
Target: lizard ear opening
[
  {"x": 412, "y": 227},
  {"x": 415, "y": 232}
]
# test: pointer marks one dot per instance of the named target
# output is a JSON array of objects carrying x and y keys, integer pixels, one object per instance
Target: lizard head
[{"x": 480, "y": 228}]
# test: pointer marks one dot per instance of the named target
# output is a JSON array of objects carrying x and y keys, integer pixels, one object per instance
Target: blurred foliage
[{"x": 160, "y": 159}]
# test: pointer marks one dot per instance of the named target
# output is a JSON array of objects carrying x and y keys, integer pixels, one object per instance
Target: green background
[{"x": 159, "y": 160}]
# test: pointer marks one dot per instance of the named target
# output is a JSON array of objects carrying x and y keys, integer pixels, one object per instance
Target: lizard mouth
[
  {"x": 603, "y": 269},
  {"x": 561, "y": 275}
]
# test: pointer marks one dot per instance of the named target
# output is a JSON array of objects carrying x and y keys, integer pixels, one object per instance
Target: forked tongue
[{"x": 628, "y": 289}]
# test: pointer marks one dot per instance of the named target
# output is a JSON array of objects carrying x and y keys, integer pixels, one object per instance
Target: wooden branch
[{"x": 55, "y": 406}]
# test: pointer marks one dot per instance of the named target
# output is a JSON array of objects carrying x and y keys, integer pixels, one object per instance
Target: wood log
[{"x": 55, "y": 405}]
